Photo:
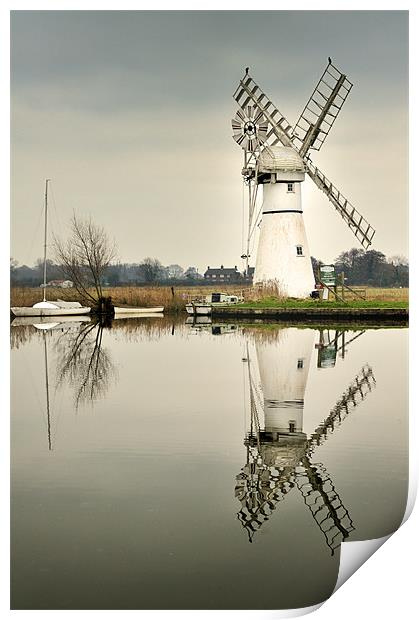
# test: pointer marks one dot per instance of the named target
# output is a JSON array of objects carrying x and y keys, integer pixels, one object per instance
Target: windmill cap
[{"x": 281, "y": 158}]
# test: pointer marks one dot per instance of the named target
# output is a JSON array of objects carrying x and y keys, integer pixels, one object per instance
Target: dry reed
[{"x": 174, "y": 300}]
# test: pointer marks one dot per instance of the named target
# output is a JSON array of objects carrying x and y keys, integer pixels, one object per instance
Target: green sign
[
  {"x": 327, "y": 275},
  {"x": 327, "y": 356}
]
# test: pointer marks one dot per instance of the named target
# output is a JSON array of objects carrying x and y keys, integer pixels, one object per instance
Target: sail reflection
[{"x": 279, "y": 454}]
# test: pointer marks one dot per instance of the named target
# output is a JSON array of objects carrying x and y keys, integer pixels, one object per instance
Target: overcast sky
[{"x": 129, "y": 114}]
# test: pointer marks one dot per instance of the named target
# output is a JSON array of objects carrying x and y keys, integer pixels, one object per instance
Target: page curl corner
[{"x": 354, "y": 554}]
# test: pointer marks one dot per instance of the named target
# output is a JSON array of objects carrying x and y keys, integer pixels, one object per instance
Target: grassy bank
[{"x": 274, "y": 302}]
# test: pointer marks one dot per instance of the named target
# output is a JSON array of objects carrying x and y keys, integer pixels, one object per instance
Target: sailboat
[{"x": 44, "y": 307}]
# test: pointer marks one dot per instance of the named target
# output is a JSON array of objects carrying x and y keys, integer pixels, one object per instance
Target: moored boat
[
  {"x": 198, "y": 309},
  {"x": 203, "y": 307},
  {"x": 134, "y": 310},
  {"x": 139, "y": 315},
  {"x": 51, "y": 308}
]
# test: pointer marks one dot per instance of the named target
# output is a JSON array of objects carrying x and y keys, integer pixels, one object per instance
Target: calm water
[{"x": 166, "y": 465}]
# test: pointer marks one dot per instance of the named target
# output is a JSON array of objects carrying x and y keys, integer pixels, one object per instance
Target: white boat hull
[
  {"x": 139, "y": 315},
  {"x": 198, "y": 309},
  {"x": 49, "y": 311},
  {"x": 37, "y": 321},
  {"x": 198, "y": 320},
  {"x": 138, "y": 310}
]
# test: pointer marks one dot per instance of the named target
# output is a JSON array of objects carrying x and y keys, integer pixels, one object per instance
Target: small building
[{"x": 223, "y": 275}]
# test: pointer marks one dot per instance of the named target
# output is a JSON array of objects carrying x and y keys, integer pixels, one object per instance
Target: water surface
[{"x": 158, "y": 464}]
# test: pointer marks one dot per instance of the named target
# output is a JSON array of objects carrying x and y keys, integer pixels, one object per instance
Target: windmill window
[
  {"x": 300, "y": 363},
  {"x": 292, "y": 426},
  {"x": 299, "y": 250},
  {"x": 290, "y": 187}
]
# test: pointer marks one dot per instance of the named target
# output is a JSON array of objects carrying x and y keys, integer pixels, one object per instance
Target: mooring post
[{"x": 320, "y": 283}]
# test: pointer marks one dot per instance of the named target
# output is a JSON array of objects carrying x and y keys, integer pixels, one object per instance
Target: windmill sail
[
  {"x": 259, "y": 489},
  {"x": 324, "y": 502},
  {"x": 314, "y": 482},
  {"x": 362, "y": 230},
  {"x": 248, "y": 93},
  {"x": 354, "y": 394},
  {"x": 321, "y": 110}
]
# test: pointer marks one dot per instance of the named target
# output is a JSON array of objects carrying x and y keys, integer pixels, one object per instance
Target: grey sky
[{"x": 129, "y": 114}]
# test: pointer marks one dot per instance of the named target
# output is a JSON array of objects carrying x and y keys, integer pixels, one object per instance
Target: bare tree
[
  {"x": 398, "y": 260},
  {"x": 174, "y": 272},
  {"x": 13, "y": 266},
  {"x": 150, "y": 270},
  {"x": 84, "y": 256}
]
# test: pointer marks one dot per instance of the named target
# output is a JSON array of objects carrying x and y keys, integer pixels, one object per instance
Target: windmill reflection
[{"x": 278, "y": 453}]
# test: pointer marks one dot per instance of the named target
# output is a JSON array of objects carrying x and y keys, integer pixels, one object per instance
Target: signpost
[
  {"x": 327, "y": 275},
  {"x": 334, "y": 283}
]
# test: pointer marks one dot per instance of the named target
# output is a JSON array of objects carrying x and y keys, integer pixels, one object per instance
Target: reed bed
[
  {"x": 387, "y": 294},
  {"x": 174, "y": 299},
  {"x": 25, "y": 296}
]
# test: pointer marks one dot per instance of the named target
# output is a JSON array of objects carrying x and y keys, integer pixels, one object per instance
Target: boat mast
[{"x": 45, "y": 238}]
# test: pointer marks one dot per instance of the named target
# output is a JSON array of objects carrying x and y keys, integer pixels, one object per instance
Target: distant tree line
[
  {"x": 369, "y": 268},
  {"x": 360, "y": 267},
  {"x": 150, "y": 271}
]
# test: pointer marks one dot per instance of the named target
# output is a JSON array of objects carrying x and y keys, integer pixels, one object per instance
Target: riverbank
[
  {"x": 174, "y": 299},
  {"x": 321, "y": 311}
]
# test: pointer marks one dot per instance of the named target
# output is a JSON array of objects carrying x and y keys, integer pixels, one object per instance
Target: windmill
[
  {"x": 279, "y": 454},
  {"x": 277, "y": 156}
]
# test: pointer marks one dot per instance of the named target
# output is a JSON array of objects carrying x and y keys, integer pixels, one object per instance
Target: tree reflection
[
  {"x": 84, "y": 363},
  {"x": 20, "y": 335}
]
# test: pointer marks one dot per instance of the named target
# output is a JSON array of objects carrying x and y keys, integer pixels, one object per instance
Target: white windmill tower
[{"x": 277, "y": 157}]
